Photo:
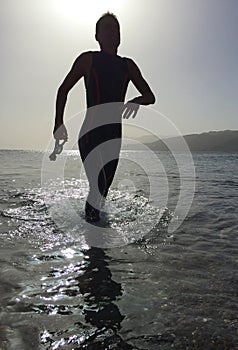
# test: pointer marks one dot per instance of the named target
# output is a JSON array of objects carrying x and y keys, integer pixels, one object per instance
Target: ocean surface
[{"x": 148, "y": 289}]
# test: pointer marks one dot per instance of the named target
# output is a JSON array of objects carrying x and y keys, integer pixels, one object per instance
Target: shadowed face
[{"x": 108, "y": 34}]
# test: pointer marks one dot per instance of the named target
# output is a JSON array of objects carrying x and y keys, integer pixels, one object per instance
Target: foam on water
[{"x": 50, "y": 217}]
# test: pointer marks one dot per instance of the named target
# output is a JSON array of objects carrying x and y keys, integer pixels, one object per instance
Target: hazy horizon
[{"x": 129, "y": 139}]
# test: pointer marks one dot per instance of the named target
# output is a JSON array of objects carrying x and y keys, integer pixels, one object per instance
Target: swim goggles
[{"x": 57, "y": 150}]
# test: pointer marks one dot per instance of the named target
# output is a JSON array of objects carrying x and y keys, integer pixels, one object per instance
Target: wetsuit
[{"x": 101, "y": 129}]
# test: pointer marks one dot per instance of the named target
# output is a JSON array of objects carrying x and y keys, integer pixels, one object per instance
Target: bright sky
[{"x": 186, "y": 49}]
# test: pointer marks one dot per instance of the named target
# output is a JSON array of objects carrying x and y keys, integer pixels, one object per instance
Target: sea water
[{"x": 154, "y": 290}]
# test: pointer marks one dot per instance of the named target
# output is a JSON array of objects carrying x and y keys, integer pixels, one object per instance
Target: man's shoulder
[
  {"x": 130, "y": 63},
  {"x": 128, "y": 60},
  {"x": 84, "y": 59},
  {"x": 84, "y": 55}
]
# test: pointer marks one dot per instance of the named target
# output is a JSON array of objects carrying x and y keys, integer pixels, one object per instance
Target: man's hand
[
  {"x": 60, "y": 132},
  {"x": 130, "y": 109}
]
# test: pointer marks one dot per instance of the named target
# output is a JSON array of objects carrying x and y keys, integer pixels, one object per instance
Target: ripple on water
[
  {"x": 47, "y": 215},
  {"x": 162, "y": 291}
]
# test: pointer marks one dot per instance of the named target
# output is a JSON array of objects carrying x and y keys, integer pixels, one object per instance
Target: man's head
[{"x": 108, "y": 31}]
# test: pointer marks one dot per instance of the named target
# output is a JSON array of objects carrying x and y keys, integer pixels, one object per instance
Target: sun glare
[{"x": 86, "y": 10}]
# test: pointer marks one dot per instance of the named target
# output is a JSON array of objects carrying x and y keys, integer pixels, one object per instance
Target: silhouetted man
[{"x": 106, "y": 76}]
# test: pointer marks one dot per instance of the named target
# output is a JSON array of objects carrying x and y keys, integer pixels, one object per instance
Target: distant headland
[{"x": 212, "y": 141}]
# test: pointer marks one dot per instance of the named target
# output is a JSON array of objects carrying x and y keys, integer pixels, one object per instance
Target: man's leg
[
  {"x": 100, "y": 161},
  {"x": 92, "y": 168},
  {"x": 106, "y": 176}
]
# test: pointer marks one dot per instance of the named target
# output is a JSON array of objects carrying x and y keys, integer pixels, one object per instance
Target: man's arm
[
  {"x": 77, "y": 71},
  {"x": 147, "y": 97}
]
